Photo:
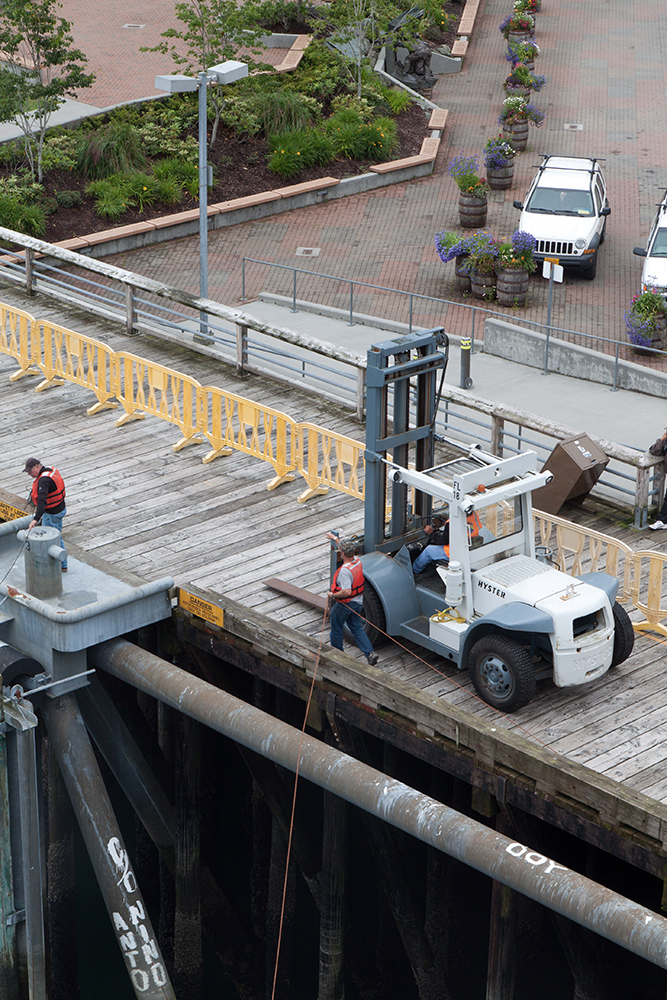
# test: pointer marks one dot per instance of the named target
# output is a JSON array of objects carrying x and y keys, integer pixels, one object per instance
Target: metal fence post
[
  {"x": 29, "y": 260},
  {"x": 614, "y": 387},
  {"x": 243, "y": 280},
  {"x": 294, "y": 291},
  {"x": 361, "y": 384},
  {"x": 241, "y": 348},
  {"x": 129, "y": 309},
  {"x": 351, "y": 323},
  {"x": 410, "y": 323},
  {"x": 497, "y": 429}
]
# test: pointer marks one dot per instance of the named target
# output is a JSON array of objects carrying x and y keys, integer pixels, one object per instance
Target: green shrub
[
  {"x": 113, "y": 149},
  {"x": 109, "y": 196},
  {"x": 349, "y": 107},
  {"x": 397, "y": 100},
  {"x": 22, "y": 218},
  {"x": 239, "y": 115},
  {"x": 169, "y": 191},
  {"x": 284, "y": 111},
  {"x": 60, "y": 151},
  {"x": 183, "y": 173},
  {"x": 292, "y": 151},
  {"x": 68, "y": 199},
  {"x": 379, "y": 139},
  {"x": 141, "y": 189},
  {"x": 321, "y": 73}
]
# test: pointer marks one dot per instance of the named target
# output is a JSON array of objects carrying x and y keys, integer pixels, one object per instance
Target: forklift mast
[{"x": 407, "y": 429}]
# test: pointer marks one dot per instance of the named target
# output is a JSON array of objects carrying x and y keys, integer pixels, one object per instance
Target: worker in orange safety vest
[
  {"x": 48, "y": 496},
  {"x": 346, "y": 597},
  {"x": 438, "y": 548}
]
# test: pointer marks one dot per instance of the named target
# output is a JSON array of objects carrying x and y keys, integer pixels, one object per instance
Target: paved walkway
[{"x": 603, "y": 71}]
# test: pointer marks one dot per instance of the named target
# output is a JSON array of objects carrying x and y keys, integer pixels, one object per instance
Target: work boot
[{"x": 372, "y": 658}]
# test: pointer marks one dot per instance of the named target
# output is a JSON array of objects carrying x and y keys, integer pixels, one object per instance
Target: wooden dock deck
[{"x": 596, "y": 753}]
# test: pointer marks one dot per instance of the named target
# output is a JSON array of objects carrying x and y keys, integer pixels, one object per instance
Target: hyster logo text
[{"x": 492, "y": 590}]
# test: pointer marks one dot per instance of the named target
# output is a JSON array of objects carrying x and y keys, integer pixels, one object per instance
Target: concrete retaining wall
[{"x": 527, "y": 347}]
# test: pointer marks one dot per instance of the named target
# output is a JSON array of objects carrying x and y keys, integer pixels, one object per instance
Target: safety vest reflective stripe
[
  {"x": 357, "y": 588},
  {"x": 54, "y": 498}
]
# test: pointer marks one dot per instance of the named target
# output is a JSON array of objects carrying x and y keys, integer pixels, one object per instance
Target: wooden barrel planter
[
  {"x": 513, "y": 90},
  {"x": 517, "y": 134},
  {"x": 512, "y": 286},
  {"x": 482, "y": 286},
  {"x": 472, "y": 211},
  {"x": 657, "y": 340},
  {"x": 500, "y": 178},
  {"x": 462, "y": 275},
  {"x": 518, "y": 36}
]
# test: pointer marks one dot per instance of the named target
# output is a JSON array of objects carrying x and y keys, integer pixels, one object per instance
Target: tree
[
  {"x": 40, "y": 68},
  {"x": 213, "y": 31},
  {"x": 360, "y": 24}
]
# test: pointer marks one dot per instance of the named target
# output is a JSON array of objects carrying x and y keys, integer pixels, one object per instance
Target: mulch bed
[
  {"x": 241, "y": 164},
  {"x": 241, "y": 170}
]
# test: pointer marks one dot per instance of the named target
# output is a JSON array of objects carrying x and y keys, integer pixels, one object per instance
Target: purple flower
[{"x": 523, "y": 241}]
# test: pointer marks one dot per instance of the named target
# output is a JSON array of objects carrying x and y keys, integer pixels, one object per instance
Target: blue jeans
[
  {"x": 431, "y": 554},
  {"x": 56, "y": 521},
  {"x": 344, "y": 614}
]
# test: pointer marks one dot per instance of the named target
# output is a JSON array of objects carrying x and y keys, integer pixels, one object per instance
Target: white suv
[
  {"x": 654, "y": 273},
  {"x": 566, "y": 210}
]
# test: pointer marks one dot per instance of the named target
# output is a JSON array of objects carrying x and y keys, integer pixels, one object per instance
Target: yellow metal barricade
[
  {"x": 234, "y": 423},
  {"x": 327, "y": 459},
  {"x": 583, "y": 550},
  {"x": 71, "y": 357},
  {"x": 20, "y": 339},
  {"x": 649, "y": 577},
  {"x": 147, "y": 387}
]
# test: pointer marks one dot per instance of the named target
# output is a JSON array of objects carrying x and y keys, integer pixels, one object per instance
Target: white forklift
[{"x": 494, "y": 608}]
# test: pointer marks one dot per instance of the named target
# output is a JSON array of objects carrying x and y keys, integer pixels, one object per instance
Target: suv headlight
[{"x": 580, "y": 244}]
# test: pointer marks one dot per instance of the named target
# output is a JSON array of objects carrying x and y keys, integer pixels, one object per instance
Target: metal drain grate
[{"x": 308, "y": 251}]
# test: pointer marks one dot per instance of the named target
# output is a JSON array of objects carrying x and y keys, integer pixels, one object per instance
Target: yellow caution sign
[
  {"x": 552, "y": 260},
  {"x": 202, "y": 609},
  {"x": 9, "y": 513}
]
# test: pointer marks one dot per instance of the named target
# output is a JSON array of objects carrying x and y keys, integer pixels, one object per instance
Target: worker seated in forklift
[{"x": 437, "y": 548}]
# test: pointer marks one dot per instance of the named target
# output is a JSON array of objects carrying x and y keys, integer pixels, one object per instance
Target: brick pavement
[{"x": 603, "y": 70}]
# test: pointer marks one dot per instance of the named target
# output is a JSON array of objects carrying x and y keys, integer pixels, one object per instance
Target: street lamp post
[{"x": 227, "y": 72}]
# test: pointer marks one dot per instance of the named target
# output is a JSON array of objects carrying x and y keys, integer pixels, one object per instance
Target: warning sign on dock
[
  {"x": 202, "y": 609},
  {"x": 9, "y": 513}
]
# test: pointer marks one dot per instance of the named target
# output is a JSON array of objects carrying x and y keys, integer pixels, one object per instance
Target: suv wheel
[{"x": 591, "y": 271}]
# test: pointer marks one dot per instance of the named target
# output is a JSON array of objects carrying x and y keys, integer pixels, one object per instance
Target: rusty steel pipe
[
  {"x": 606, "y": 913},
  {"x": 95, "y": 815}
]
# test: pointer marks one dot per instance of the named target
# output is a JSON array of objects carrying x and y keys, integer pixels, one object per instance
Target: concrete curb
[{"x": 515, "y": 343}]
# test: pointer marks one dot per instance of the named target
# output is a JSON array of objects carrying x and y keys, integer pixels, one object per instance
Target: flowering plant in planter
[
  {"x": 483, "y": 253},
  {"x": 642, "y": 317},
  {"x": 527, "y": 6},
  {"x": 522, "y": 77},
  {"x": 521, "y": 52},
  {"x": 517, "y": 109},
  {"x": 516, "y": 21},
  {"x": 517, "y": 252},
  {"x": 465, "y": 171},
  {"x": 450, "y": 245},
  {"x": 498, "y": 152}
]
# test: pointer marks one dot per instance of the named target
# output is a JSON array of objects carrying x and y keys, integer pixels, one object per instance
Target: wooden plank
[{"x": 297, "y": 593}]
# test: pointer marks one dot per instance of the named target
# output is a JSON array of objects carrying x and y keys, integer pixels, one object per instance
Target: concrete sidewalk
[{"x": 629, "y": 418}]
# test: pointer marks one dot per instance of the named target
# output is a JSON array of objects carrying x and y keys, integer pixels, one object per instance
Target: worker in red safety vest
[
  {"x": 346, "y": 600},
  {"x": 48, "y": 496},
  {"x": 437, "y": 549}
]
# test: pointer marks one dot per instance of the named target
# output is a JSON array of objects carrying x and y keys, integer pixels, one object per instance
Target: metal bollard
[
  {"x": 465, "y": 381},
  {"x": 43, "y": 562}
]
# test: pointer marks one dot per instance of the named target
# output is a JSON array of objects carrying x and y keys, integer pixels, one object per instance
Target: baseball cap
[{"x": 31, "y": 463}]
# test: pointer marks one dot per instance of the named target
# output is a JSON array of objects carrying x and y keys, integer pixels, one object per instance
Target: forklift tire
[
  {"x": 502, "y": 672},
  {"x": 624, "y": 635},
  {"x": 376, "y": 625}
]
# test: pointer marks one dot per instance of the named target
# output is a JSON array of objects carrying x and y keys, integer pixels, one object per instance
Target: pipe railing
[{"x": 635, "y": 927}]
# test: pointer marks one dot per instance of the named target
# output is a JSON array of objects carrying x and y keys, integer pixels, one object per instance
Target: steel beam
[
  {"x": 607, "y": 913},
  {"x": 108, "y": 855}
]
